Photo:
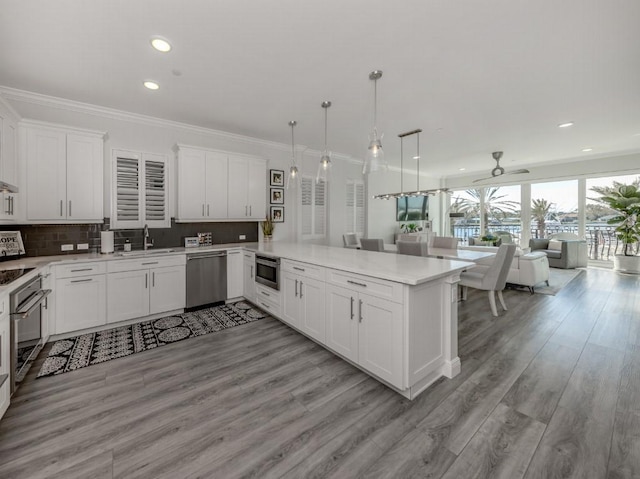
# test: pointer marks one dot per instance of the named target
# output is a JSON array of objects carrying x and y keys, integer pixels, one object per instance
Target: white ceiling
[{"x": 476, "y": 76}]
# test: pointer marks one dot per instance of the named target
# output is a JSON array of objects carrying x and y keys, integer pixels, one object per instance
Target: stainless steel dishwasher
[{"x": 206, "y": 278}]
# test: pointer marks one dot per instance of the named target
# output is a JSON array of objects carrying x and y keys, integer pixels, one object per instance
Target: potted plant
[
  {"x": 625, "y": 201},
  {"x": 489, "y": 239},
  {"x": 410, "y": 228},
  {"x": 267, "y": 228}
]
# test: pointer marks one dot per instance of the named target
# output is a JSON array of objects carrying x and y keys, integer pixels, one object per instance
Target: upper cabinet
[
  {"x": 8, "y": 150},
  {"x": 64, "y": 176},
  {"x": 215, "y": 186},
  {"x": 140, "y": 190}
]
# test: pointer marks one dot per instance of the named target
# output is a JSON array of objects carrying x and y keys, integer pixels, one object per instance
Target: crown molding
[{"x": 15, "y": 94}]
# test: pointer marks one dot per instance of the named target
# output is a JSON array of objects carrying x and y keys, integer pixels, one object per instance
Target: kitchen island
[{"x": 393, "y": 316}]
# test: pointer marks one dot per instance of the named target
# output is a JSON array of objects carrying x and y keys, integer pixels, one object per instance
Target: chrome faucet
[{"x": 147, "y": 241}]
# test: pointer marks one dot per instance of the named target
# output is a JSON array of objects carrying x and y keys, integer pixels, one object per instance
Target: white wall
[{"x": 139, "y": 133}]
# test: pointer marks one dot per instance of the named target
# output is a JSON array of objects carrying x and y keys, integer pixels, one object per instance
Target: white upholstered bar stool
[
  {"x": 493, "y": 279},
  {"x": 448, "y": 242},
  {"x": 415, "y": 248},
  {"x": 371, "y": 244}
]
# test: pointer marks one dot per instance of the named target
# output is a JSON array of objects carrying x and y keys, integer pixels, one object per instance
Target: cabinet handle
[
  {"x": 153, "y": 279},
  {"x": 296, "y": 288},
  {"x": 151, "y": 262},
  {"x": 266, "y": 306},
  {"x": 351, "y": 307},
  {"x": 83, "y": 269},
  {"x": 245, "y": 210},
  {"x": 233, "y": 252},
  {"x": 251, "y": 271},
  {"x": 13, "y": 203},
  {"x": 356, "y": 283},
  {"x": 146, "y": 280},
  {"x": 250, "y": 210},
  {"x": 360, "y": 311},
  {"x": 202, "y": 209},
  {"x": 81, "y": 280},
  {"x": 301, "y": 289},
  {"x": 8, "y": 205},
  {"x": 60, "y": 207},
  {"x": 207, "y": 210},
  {"x": 266, "y": 294},
  {"x": 298, "y": 269},
  {"x": 69, "y": 207}
]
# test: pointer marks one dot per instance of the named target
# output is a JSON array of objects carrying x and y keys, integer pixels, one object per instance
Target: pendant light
[
  {"x": 375, "y": 154},
  {"x": 293, "y": 180},
  {"x": 324, "y": 168}
]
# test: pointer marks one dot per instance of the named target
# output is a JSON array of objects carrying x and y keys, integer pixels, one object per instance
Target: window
[
  {"x": 554, "y": 208},
  {"x": 313, "y": 208},
  {"x": 139, "y": 194},
  {"x": 355, "y": 207}
]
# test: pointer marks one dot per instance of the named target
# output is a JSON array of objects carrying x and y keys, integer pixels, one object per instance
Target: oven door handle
[{"x": 35, "y": 301}]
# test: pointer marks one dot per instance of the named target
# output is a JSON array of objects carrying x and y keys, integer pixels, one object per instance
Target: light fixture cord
[
  {"x": 375, "y": 104},
  {"x": 418, "y": 163},
  {"x": 325, "y": 129},
  {"x": 293, "y": 150},
  {"x": 401, "y": 166}
]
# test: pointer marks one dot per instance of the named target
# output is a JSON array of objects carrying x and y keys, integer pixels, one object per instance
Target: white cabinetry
[
  {"x": 268, "y": 299},
  {"x": 247, "y": 188},
  {"x": 235, "y": 273},
  {"x": 64, "y": 175},
  {"x": 202, "y": 184},
  {"x": 47, "y": 310},
  {"x": 80, "y": 294},
  {"x": 366, "y": 328},
  {"x": 139, "y": 193},
  {"x": 5, "y": 354},
  {"x": 249, "y": 279},
  {"x": 140, "y": 287},
  {"x": 303, "y": 297},
  {"x": 8, "y": 163}
]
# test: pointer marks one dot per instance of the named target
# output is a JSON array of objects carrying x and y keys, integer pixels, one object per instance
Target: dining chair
[
  {"x": 493, "y": 279},
  {"x": 415, "y": 248},
  {"x": 408, "y": 237},
  {"x": 445, "y": 242},
  {"x": 350, "y": 240},
  {"x": 371, "y": 244}
]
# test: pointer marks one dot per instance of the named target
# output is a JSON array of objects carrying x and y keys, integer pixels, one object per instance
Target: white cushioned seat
[{"x": 527, "y": 269}]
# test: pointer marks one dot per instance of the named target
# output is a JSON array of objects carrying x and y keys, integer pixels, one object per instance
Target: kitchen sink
[{"x": 149, "y": 252}]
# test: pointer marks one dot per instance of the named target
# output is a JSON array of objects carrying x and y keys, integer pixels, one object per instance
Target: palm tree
[
  {"x": 495, "y": 204},
  {"x": 539, "y": 211}
]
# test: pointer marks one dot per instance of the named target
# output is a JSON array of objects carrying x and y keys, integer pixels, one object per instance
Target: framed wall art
[
  {"x": 277, "y": 177},
  {"x": 277, "y": 196},
  {"x": 277, "y": 214}
]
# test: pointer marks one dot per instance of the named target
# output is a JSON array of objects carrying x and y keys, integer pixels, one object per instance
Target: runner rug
[{"x": 94, "y": 348}]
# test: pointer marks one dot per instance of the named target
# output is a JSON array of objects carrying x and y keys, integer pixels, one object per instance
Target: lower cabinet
[
  {"x": 303, "y": 304},
  {"x": 235, "y": 271},
  {"x": 141, "y": 290},
  {"x": 249, "y": 276},
  {"x": 80, "y": 303},
  {"x": 5, "y": 359},
  {"x": 366, "y": 330}
]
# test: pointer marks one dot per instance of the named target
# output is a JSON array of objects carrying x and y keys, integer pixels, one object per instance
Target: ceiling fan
[{"x": 499, "y": 170}]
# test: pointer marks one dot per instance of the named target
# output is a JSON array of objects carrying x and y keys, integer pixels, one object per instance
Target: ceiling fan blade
[
  {"x": 517, "y": 172},
  {"x": 484, "y": 179}
]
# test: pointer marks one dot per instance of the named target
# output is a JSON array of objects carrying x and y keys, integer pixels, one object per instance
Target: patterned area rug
[{"x": 94, "y": 348}]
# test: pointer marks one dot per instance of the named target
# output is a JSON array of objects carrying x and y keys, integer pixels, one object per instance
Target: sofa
[
  {"x": 562, "y": 251},
  {"x": 527, "y": 269}
]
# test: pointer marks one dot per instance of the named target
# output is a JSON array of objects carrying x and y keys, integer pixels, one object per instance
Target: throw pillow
[{"x": 555, "y": 245}]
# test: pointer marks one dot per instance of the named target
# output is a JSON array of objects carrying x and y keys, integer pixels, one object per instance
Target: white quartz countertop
[
  {"x": 392, "y": 267},
  {"x": 399, "y": 268}
]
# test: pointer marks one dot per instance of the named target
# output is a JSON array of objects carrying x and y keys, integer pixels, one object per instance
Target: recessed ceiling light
[
  {"x": 462, "y": 169},
  {"x": 151, "y": 85},
  {"x": 587, "y": 149},
  {"x": 161, "y": 44},
  {"x": 565, "y": 125}
]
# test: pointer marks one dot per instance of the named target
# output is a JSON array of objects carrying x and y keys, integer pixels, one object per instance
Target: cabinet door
[
  {"x": 46, "y": 174},
  {"x": 128, "y": 295},
  {"x": 289, "y": 286},
  {"x": 85, "y": 178},
  {"x": 380, "y": 338},
  {"x": 80, "y": 303},
  {"x": 168, "y": 289},
  {"x": 341, "y": 321},
  {"x": 238, "y": 188},
  {"x": 7, "y": 206},
  {"x": 312, "y": 307},
  {"x": 191, "y": 184},
  {"x": 249, "y": 290},
  {"x": 9, "y": 154},
  {"x": 5, "y": 357},
  {"x": 235, "y": 282},
  {"x": 257, "y": 189},
  {"x": 216, "y": 185}
]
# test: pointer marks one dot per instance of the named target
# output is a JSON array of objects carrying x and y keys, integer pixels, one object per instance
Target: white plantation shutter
[
  {"x": 313, "y": 208},
  {"x": 140, "y": 191},
  {"x": 355, "y": 207}
]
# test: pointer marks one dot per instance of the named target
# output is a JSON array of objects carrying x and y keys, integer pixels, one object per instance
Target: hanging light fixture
[
  {"x": 418, "y": 192},
  {"x": 294, "y": 175},
  {"x": 324, "y": 168},
  {"x": 375, "y": 154}
]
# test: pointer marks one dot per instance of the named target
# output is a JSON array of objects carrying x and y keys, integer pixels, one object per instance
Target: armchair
[{"x": 564, "y": 253}]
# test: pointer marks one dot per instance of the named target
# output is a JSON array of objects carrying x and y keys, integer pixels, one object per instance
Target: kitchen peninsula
[{"x": 394, "y": 316}]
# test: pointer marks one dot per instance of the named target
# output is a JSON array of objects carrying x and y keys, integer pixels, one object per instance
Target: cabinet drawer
[
  {"x": 269, "y": 306},
  {"x": 80, "y": 269},
  {"x": 268, "y": 294},
  {"x": 365, "y": 284},
  {"x": 303, "y": 269},
  {"x": 249, "y": 255},
  {"x": 117, "y": 266}
]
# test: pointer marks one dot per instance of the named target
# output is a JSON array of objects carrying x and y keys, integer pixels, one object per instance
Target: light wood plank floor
[{"x": 549, "y": 389}]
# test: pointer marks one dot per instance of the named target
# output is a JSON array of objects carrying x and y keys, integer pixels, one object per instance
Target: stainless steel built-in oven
[
  {"x": 26, "y": 327},
  {"x": 268, "y": 271}
]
